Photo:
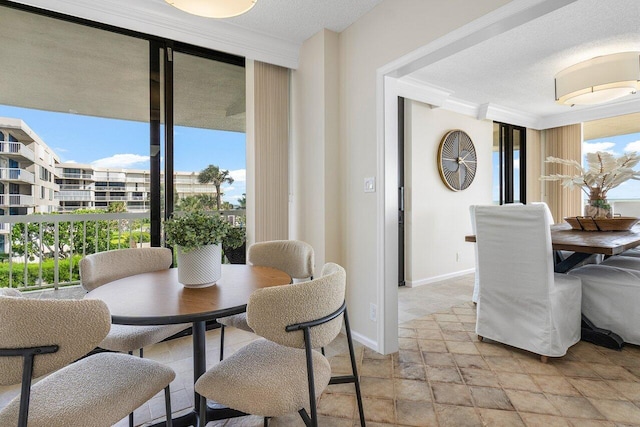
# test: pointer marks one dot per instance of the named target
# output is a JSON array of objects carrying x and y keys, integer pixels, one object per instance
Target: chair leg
[
  {"x": 266, "y": 421},
  {"x": 544, "y": 359},
  {"x": 480, "y": 338},
  {"x": 305, "y": 417},
  {"x": 131, "y": 419},
  {"x": 167, "y": 406},
  {"x": 354, "y": 368},
  {"x": 221, "y": 342},
  {"x": 310, "y": 380}
]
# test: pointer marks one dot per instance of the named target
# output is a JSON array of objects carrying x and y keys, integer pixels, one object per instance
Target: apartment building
[
  {"x": 27, "y": 170},
  {"x": 84, "y": 186}
]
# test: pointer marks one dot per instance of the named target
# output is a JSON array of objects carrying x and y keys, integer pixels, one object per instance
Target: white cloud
[
  {"x": 61, "y": 150},
  {"x": 516, "y": 164},
  {"x": 632, "y": 146},
  {"x": 592, "y": 147},
  {"x": 122, "y": 161},
  {"x": 239, "y": 175},
  {"x": 229, "y": 188}
]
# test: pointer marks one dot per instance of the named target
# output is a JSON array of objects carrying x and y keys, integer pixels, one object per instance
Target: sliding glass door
[{"x": 509, "y": 163}]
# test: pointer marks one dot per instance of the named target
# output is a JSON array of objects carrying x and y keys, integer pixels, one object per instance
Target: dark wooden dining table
[
  {"x": 158, "y": 298},
  {"x": 581, "y": 245}
]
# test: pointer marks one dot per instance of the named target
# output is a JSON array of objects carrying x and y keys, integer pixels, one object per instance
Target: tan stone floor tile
[
  {"x": 526, "y": 401},
  {"x": 464, "y": 311},
  {"x": 414, "y": 413},
  {"x": 337, "y": 405},
  {"x": 407, "y": 333},
  {"x": 408, "y": 344},
  {"x": 499, "y": 418},
  {"x": 451, "y": 326},
  {"x": 424, "y": 323},
  {"x": 575, "y": 407},
  {"x": 461, "y": 347},
  {"x": 469, "y": 318},
  {"x": 630, "y": 390},
  {"x": 408, "y": 356},
  {"x": 555, "y": 385},
  {"x": 379, "y": 410},
  {"x": 341, "y": 365},
  {"x": 434, "y": 346},
  {"x": 429, "y": 334},
  {"x": 613, "y": 372},
  {"x": 539, "y": 420},
  {"x": 575, "y": 369},
  {"x": 515, "y": 381},
  {"x": 504, "y": 364},
  {"x": 372, "y": 424},
  {"x": 445, "y": 317},
  {"x": 590, "y": 423},
  {"x": 410, "y": 371},
  {"x": 438, "y": 359},
  {"x": 377, "y": 387},
  {"x": 491, "y": 398},
  {"x": 340, "y": 388},
  {"x": 492, "y": 349},
  {"x": 451, "y": 394},
  {"x": 376, "y": 368},
  {"x": 445, "y": 374},
  {"x": 456, "y": 336},
  {"x": 470, "y": 361},
  {"x": 325, "y": 421},
  {"x": 617, "y": 410},
  {"x": 598, "y": 389},
  {"x": 412, "y": 390},
  {"x": 457, "y": 416},
  {"x": 533, "y": 365},
  {"x": 470, "y": 327},
  {"x": 372, "y": 354},
  {"x": 479, "y": 377},
  {"x": 585, "y": 352}
]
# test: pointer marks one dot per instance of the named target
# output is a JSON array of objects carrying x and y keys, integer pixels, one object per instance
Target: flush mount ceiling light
[
  {"x": 214, "y": 8},
  {"x": 599, "y": 79}
]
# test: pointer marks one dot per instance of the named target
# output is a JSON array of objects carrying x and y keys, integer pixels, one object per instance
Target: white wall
[
  {"x": 390, "y": 30},
  {"x": 437, "y": 219},
  {"x": 314, "y": 164}
]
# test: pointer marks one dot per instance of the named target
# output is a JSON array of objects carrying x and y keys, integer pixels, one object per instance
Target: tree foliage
[{"x": 212, "y": 174}]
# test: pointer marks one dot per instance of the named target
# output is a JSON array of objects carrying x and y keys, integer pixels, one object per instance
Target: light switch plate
[{"x": 370, "y": 185}]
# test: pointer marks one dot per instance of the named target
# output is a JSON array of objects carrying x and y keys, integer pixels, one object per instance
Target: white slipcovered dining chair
[
  {"x": 610, "y": 298},
  {"x": 522, "y": 302},
  {"x": 294, "y": 257},
  {"x": 282, "y": 373},
  {"x": 44, "y": 336},
  {"x": 104, "y": 267}
]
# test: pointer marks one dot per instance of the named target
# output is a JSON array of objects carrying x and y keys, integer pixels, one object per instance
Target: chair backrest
[
  {"x": 76, "y": 326},
  {"x": 104, "y": 267},
  {"x": 294, "y": 257},
  {"x": 271, "y": 310},
  {"x": 514, "y": 255},
  {"x": 547, "y": 211}
]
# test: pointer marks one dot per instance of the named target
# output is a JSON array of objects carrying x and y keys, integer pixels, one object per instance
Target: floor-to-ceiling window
[{"x": 509, "y": 162}]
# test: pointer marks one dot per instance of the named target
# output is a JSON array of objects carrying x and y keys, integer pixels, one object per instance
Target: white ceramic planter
[{"x": 200, "y": 267}]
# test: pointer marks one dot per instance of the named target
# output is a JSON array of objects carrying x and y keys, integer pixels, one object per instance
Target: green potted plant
[
  {"x": 197, "y": 238},
  {"x": 234, "y": 245}
]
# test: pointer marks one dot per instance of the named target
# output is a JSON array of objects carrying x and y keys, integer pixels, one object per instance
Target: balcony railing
[
  {"x": 16, "y": 200},
  {"x": 15, "y": 174},
  {"x": 16, "y": 149},
  {"x": 53, "y": 244}
]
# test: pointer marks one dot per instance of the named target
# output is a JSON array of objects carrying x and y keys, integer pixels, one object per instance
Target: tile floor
[{"x": 443, "y": 376}]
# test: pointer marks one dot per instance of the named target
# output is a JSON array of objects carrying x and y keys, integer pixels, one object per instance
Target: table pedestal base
[{"x": 601, "y": 337}]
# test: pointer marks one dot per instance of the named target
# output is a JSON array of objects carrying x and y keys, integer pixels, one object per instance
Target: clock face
[{"x": 457, "y": 160}]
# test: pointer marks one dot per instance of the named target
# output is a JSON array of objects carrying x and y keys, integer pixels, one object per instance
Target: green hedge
[{"x": 33, "y": 273}]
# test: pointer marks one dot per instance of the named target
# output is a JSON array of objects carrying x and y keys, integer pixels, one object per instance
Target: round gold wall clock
[{"x": 457, "y": 160}]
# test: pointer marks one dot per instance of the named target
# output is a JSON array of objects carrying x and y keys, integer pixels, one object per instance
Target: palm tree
[{"x": 212, "y": 174}]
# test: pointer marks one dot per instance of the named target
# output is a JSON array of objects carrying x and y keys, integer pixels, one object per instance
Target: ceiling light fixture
[
  {"x": 598, "y": 80},
  {"x": 214, "y": 8}
]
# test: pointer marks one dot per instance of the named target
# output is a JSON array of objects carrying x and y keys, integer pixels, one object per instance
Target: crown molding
[
  {"x": 213, "y": 34},
  {"x": 593, "y": 113}
]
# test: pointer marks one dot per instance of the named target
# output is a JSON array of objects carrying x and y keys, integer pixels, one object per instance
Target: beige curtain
[
  {"x": 271, "y": 151},
  {"x": 534, "y": 165},
  {"x": 566, "y": 143}
]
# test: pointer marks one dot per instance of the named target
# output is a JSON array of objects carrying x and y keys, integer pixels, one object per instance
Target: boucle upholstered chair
[
  {"x": 103, "y": 267},
  {"x": 41, "y": 336},
  {"x": 522, "y": 302},
  {"x": 294, "y": 257},
  {"x": 282, "y": 373}
]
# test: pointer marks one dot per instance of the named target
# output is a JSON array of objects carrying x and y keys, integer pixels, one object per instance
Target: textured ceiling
[{"x": 516, "y": 69}]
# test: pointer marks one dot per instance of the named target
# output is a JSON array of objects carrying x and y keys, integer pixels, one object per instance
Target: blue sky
[{"x": 125, "y": 144}]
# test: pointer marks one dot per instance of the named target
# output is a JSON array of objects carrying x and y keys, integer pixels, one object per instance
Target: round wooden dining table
[{"x": 157, "y": 298}]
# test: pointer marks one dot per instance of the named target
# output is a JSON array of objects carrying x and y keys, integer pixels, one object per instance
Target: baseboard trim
[
  {"x": 435, "y": 279},
  {"x": 364, "y": 340}
]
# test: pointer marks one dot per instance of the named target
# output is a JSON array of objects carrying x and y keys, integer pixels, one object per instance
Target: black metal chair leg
[
  {"x": 312, "y": 388},
  {"x": 221, "y": 342},
  {"x": 167, "y": 406},
  {"x": 266, "y": 421},
  {"x": 305, "y": 417},
  {"x": 131, "y": 419},
  {"x": 354, "y": 368},
  {"x": 203, "y": 411}
]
